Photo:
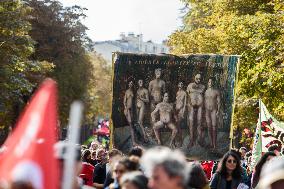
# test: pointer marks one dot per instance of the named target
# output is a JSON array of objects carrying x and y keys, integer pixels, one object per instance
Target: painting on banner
[{"x": 183, "y": 102}]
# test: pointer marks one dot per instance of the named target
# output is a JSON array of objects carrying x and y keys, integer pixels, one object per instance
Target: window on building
[{"x": 154, "y": 49}]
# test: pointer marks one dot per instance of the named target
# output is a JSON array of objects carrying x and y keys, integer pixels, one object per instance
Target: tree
[
  {"x": 250, "y": 28},
  {"x": 19, "y": 76},
  {"x": 61, "y": 39}
]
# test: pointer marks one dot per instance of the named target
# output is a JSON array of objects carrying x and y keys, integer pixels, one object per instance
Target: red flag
[{"x": 28, "y": 152}]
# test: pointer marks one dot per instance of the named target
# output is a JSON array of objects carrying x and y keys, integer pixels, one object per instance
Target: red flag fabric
[{"x": 28, "y": 153}]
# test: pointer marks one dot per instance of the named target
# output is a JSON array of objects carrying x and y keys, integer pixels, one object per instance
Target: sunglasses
[{"x": 232, "y": 161}]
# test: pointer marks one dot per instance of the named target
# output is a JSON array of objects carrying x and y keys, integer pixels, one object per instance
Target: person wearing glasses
[{"x": 229, "y": 173}]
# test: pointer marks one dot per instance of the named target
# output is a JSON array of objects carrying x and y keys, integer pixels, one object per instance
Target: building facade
[{"x": 130, "y": 43}]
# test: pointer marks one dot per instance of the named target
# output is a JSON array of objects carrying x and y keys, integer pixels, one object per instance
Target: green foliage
[
  {"x": 19, "y": 76},
  {"x": 251, "y": 28},
  {"x": 61, "y": 39},
  {"x": 99, "y": 89}
]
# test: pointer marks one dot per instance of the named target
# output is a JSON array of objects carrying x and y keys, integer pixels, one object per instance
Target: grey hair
[{"x": 173, "y": 162}]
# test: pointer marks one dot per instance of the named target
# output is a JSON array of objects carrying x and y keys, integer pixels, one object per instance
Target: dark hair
[
  {"x": 197, "y": 178},
  {"x": 128, "y": 164},
  {"x": 136, "y": 151},
  {"x": 258, "y": 167},
  {"x": 85, "y": 155},
  {"x": 274, "y": 147},
  {"x": 237, "y": 173},
  {"x": 21, "y": 185},
  {"x": 237, "y": 152}
]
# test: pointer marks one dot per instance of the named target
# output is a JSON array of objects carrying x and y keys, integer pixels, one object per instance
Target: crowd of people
[{"x": 164, "y": 168}]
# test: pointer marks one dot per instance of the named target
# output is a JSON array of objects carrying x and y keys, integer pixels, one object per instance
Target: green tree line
[
  {"x": 251, "y": 28},
  {"x": 40, "y": 39}
]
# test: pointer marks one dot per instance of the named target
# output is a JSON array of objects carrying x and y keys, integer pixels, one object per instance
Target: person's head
[
  {"x": 94, "y": 146},
  {"x": 180, "y": 85},
  {"x": 130, "y": 84},
  {"x": 140, "y": 83},
  {"x": 136, "y": 151},
  {"x": 197, "y": 78},
  {"x": 197, "y": 177},
  {"x": 158, "y": 73},
  {"x": 166, "y": 97},
  {"x": 101, "y": 154},
  {"x": 272, "y": 174},
  {"x": 86, "y": 156},
  {"x": 134, "y": 180},
  {"x": 275, "y": 148},
  {"x": 230, "y": 164},
  {"x": 243, "y": 151},
  {"x": 114, "y": 155},
  {"x": 258, "y": 168},
  {"x": 167, "y": 169},
  {"x": 122, "y": 166},
  {"x": 210, "y": 82}
]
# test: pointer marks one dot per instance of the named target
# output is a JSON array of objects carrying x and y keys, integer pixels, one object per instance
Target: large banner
[
  {"x": 268, "y": 132},
  {"x": 272, "y": 131},
  {"x": 183, "y": 102}
]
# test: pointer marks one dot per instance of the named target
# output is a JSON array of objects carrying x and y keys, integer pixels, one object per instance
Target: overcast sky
[{"x": 155, "y": 19}]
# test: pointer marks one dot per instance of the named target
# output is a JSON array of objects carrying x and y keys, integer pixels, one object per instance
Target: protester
[
  {"x": 197, "y": 177},
  {"x": 94, "y": 146},
  {"x": 134, "y": 180},
  {"x": 244, "y": 174},
  {"x": 243, "y": 152},
  {"x": 121, "y": 167},
  {"x": 87, "y": 172},
  {"x": 272, "y": 174},
  {"x": 166, "y": 169},
  {"x": 229, "y": 174},
  {"x": 100, "y": 169},
  {"x": 114, "y": 156},
  {"x": 257, "y": 170}
]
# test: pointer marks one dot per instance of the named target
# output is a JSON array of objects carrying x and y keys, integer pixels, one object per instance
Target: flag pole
[{"x": 73, "y": 136}]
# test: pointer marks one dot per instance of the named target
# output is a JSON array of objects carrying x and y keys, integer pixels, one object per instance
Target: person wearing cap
[{"x": 272, "y": 174}]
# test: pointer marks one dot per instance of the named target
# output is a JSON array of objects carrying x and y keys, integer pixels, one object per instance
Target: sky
[{"x": 106, "y": 19}]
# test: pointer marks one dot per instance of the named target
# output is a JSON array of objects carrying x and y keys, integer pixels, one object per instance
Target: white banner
[{"x": 272, "y": 131}]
